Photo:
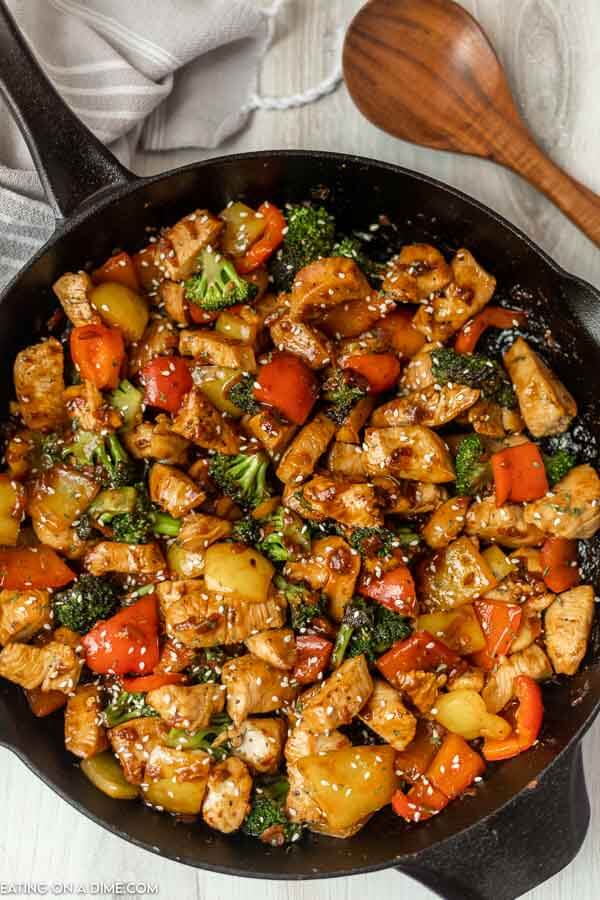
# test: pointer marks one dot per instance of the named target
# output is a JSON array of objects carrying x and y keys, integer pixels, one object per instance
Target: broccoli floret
[
  {"x": 472, "y": 467},
  {"x": 127, "y": 706},
  {"x": 246, "y": 531},
  {"x": 207, "y": 670},
  {"x": 132, "y": 517},
  {"x": 368, "y": 629},
  {"x": 83, "y": 603},
  {"x": 114, "y": 467},
  {"x": 304, "y": 605},
  {"x": 376, "y": 541},
  {"x": 242, "y": 395},
  {"x": 352, "y": 247},
  {"x": 241, "y": 477},
  {"x": 448, "y": 366},
  {"x": 389, "y": 628},
  {"x": 341, "y": 391},
  {"x": 285, "y": 536},
  {"x": 267, "y": 817},
  {"x": 558, "y": 465},
  {"x": 47, "y": 450},
  {"x": 128, "y": 400},
  {"x": 310, "y": 235},
  {"x": 85, "y": 526},
  {"x": 218, "y": 285},
  {"x": 204, "y": 738}
]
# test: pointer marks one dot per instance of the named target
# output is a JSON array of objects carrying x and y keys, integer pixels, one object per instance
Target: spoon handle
[{"x": 579, "y": 203}]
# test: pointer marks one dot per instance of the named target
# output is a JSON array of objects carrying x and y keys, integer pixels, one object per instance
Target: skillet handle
[
  {"x": 72, "y": 163},
  {"x": 532, "y": 838}
]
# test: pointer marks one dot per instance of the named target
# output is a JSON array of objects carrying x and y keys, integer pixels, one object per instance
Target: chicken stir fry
[{"x": 280, "y": 543}]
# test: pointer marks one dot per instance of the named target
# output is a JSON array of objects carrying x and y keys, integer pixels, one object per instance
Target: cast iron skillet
[{"x": 529, "y": 817}]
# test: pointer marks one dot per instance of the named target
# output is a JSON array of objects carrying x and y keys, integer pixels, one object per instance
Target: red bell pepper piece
[
  {"x": 289, "y": 385},
  {"x": 559, "y": 562},
  {"x": 313, "y": 653},
  {"x": 529, "y": 715},
  {"x": 420, "y": 651},
  {"x": 98, "y": 353},
  {"x": 492, "y": 316},
  {"x": 455, "y": 766},
  {"x": 32, "y": 567},
  {"x": 119, "y": 268},
  {"x": 394, "y": 589},
  {"x": 203, "y": 316},
  {"x": 500, "y": 623},
  {"x": 381, "y": 370},
  {"x": 519, "y": 474},
  {"x": 127, "y": 642},
  {"x": 265, "y": 246},
  {"x": 399, "y": 332},
  {"x": 151, "y": 682},
  {"x": 422, "y": 802},
  {"x": 166, "y": 381}
]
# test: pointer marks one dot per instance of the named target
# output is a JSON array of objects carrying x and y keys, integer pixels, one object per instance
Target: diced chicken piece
[
  {"x": 515, "y": 589},
  {"x": 408, "y": 498},
  {"x": 85, "y": 735},
  {"x": 432, "y": 406},
  {"x": 276, "y": 646},
  {"x": 23, "y": 665},
  {"x": 546, "y": 405},
  {"x": 175, "y": 657},
  {"x": 39, "y": 385},
  {"x": 472, "y": 679},
  {"x": 300, "y": 807},
  {"x": 454, "y": 576},
  {"x": 227, "y": 800},
  {"x": 160, "y": 338},
  {"x": 63, "y": 666},
  {"x": 345, "y": 461},
  {"x": 157, "y": 441},
  {"x": 186, "y": 707},
  {"x": 322, "y": 498},
  {"x": 172, "y": 296},
  {"x": 311, "y": 442},
  {"x": 495, "y": 421},
  {"x": 259, "y": 743},
  {"x": 326, "y": 283},
  {"x": 198, "y": 531},
  {"x": 446, "y": 523},
  {"x": 421, "y": 688},
  {"x": 253, "y": 686},
  {"x": 17, "y": 453},
  {"x": 470, "y": 290},
  {"x": 177, "y": 250},
  {"x": 23, "y": 614},
  {"x": 568, "y": 623},
  {"x": 418, "y": 271},
  {"x": 196, "y": 618},
  {"x": 417, "y": 376},
  {"x": 301, "y": 743},
  {"x": 571, "y": 509},
  {"x": 88, "y": 408},
  {"x": 73, "y": 290},
  {"x": 413, "y": 452},
  {"x": 173, "y": 490},
  {"x": 267, "y": 427},
  {"x": 213, "y": 349},
  {"x": 198, "y": 421},
  {"x": 499, "y": 688},
  {"x": 355, "y": 318},
  {"x": 507, "y": 525},
  {"x": 133, "y": 742},
  {"x": 386, "y": 714},
  {"x": 175, "y": 781},
  {"x": 339, "y": 698},
  {"x": 338, "y": 567},
  {"x": 303, "y": 340},
  {"x": 127, "y": 559},
  {"x": 349, "y": 430}
]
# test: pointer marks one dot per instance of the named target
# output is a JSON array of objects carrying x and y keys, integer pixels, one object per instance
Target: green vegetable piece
[
  {"x": 84, "y": 602},
  {"x": 127, "y": 706},
  {"x": 342, "y": 391},
  {"x": 473, "y": 470},
  {"x": 310, "y": 235},
  {"x": 475, "y": 371},
  {"x": 242, "y": 477},
  {"x": 128, "y": 400},
  {"x": 242, "y": 395},
  {"x": 558, "y": 465},
  {"x": 267, "y": 814},
  {"x": 218, "y": 285}
]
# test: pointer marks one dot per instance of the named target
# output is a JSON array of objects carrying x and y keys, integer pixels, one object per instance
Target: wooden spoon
[{"x": 424, "y": 71}]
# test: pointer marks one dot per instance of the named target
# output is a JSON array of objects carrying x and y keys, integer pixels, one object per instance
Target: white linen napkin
[{"x": 153, "y": 74}]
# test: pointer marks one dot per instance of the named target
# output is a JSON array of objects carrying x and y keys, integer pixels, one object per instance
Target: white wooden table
[{"x": 550, "y": 48}]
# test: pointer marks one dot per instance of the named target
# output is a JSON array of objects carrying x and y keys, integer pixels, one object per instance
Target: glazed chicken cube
[
  {"x": 332, "y": 569},
  {"x": 546, "y": 405},
  {"x": 408, "y": 498},
  {"x": 418, "y": 271},
  {"x": 311, "y": 442},
  {"x": 350, "y": 429},
  {"x": 326, "y": 283},
  {"x": 259, "y": 743},
  {"x": 73, "y": 291},
  {"x": 346, "y": 461},
  {"x": 176, "y": 780},
  {"x": 301, "y": 743},
  {"x": 186, "y": 707},
  {"x": 499, "y": 688},
  {"x": 63, "y": 667},
  {"x": 39, "y": 385},
  {"x": 273, "y": 434},
  {"x": 89, "y": 410},
  {"x": 85, "y": 734},
  {"x": 156, "y": 440},
  {"x": 303, "y": 340},
  {"x": 495, "y": 421},
  {"x": 23, "y": 665},
  {"x": 126, "y": 559},
  {"x": 322, "y": 498},
  {"x": 23, "y": 614},
  {"x": 418, "y": 375},
  {"x": 133, "y": 742},
  {"x": 198, "y": 421},
  {"x": 339, "y": 698},
  {"x": 253, "y": 686},
  {"x": 177, "y": 250},
  {"x": 432, "y": 406},
  {"x": 160, "y": 338},
  {"x": 571, "y": 509},
  {"x": 509, "y": 524},
  {"x": 421, "y": 688},
  {"x": 214, "y": 349},
  {"x": 386, "y": 714},
  {"x": 567, "y": 626},
  {"x": 413, "y": 452},
  {"x": 173, "y": 490},
  {"x": 227, "y": 800},
  {"x": 276, "y": 646},
  {"x": 172, "y": 296},
  {"x": 446, "y": 523}
]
